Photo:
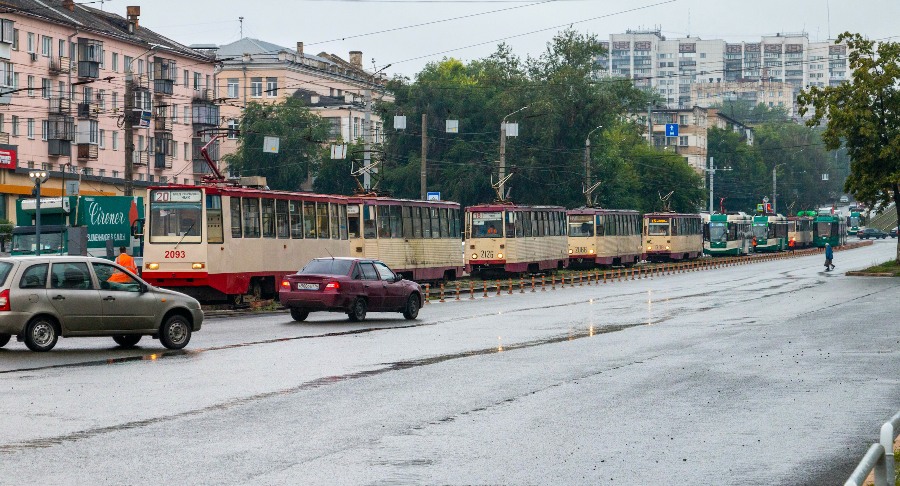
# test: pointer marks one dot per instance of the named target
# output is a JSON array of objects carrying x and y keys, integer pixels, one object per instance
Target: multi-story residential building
[
  {"x": 257, "y": 71},
  {"x": 64, "y": 70},
  {"x": 693, "y": 128},
  {"x": 774, "y": 94},
  {"x": 672, "y": 66}
]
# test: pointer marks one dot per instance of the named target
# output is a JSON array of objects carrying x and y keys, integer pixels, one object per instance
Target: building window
[
  {"x": 272, "y": 87},
  {"x": 31, "y": 164},
  {"x": 87, "y": 171},
  {"x": 163, "y": 179},
  {"x": 102, "y": 172},
  {"x": 355, "y": 127},
  {"x": 30, "y": 44},
  {"x": 232, "y": 129},
  {"x": 140, "y": 146},
  {"x": 140, "y": 66},
  {"x": 683, "y": 141},
  {"x": 140, "y": 176},
  {"x": 102, "y": 138},
  {"x": 15, "y": 126},
  {"x": 45, "y": 127},
  {"x": 15, "y": 40},
  {"x": 115, "y": 100},
  {"x": 233, "y": 87},
  {"x": 46, "y": 166},
  {"x": 128, "y": 60},
  {"x": 150, "y": 177},
  {"x": 174, "y": 113},
  {"x": 115, "y": 61},
  {"x": 30, "y": 86},
  {"x": 30, "y": 128},
  {"x": 115, "y": 173},
  {"x": 187, "y": 114},
  {"x": 187, "y": 151},
  {"x": 186, "y": 78},
  {"x": 197, "y": 81},
  {"x": 115, "y": 141},
  {"x": 256, "y": 87}
]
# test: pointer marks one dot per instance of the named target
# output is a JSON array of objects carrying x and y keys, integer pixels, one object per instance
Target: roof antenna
[
  {"x": 241, "y": 21},
  {"x": 329, "y": 253}
]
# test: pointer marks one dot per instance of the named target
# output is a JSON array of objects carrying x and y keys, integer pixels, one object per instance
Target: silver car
[{"x": 43, "y": 298}]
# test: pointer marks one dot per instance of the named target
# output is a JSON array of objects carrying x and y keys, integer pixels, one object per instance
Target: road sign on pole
[
  {"x": 433, "y": 196},
  {"x": 671, "y": 129}
]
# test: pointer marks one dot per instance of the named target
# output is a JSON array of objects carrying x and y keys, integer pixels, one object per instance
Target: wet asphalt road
[{"x": 770, "y": 373}]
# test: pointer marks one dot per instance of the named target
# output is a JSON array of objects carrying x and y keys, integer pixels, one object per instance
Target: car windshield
[
  {"x": 5, "y": 267},
  {"x": 327, "y": 266},
  {"x": 24, "y": 244}
]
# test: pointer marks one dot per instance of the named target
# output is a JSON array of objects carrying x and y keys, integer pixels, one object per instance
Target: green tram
[
  {"x": 829, "y": 227},
  {"x": 727, "y": 235},
  {"x": 770, "y": 233},
  {"x": 854, "y": 223}
]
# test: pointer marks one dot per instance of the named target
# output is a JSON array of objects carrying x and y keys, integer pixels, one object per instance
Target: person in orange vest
[
  {"x": 791, "y": 245},
  {"x": 127, "y": 261}
]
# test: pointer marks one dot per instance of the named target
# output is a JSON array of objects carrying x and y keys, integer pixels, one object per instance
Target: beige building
[
  {"x": 774, "y": 94},
  {"x": 63, "y": 110},
  {"x": 257, "y": 71},
  {"x": 693, "y": 128}
]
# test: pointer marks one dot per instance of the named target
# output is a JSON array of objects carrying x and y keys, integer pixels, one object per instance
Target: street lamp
[
  {"x": 502, "y": 183},
  {"x": 774, "y": 189},
  {"x": 39, "y": 177},
  {"x": 587, "y": 164}
]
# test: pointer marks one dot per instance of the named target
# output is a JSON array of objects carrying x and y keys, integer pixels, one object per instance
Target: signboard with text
[{"x": 7, "y": 158}]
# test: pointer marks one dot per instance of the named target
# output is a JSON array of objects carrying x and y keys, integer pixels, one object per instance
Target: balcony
[
  {"x": 60, "y": 65},
  {"x": 163, "y": 124},
  {"x": 165, "y": 72},
  {"x": 88, "y": 151},
  {"x": 59, "y": 148},
  {"x": 162, "y": 161},
  {"x": 203, "y": 95},
  {"x": 60, "y": 127},
  {"x": 198, "y": 143},
  {"x": 90, "y": 53},
  {"x": 139, "y": 158},
  {"x": 204, "y": 115},
  {"x": 4, "y": 138},
  {"x": 201, "y": 167},
  {"x": 88, "y": 111},
  {"x": 60, "y": 105}
]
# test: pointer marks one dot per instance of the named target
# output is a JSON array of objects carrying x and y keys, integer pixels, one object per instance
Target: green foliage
[
  {"x": 748, "y": 113},
  {"x": 301, "y": 135},
  {"x": 6, "y": 228},
  {"x": 864, "y": 116},
  {"x": 566, "y": 101}
]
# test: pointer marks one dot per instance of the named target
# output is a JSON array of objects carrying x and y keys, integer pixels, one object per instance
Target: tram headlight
[
  {"x": 571, "y": 251},
  {"x": 649, "y": 247},
  {"x": 499, "y": 255},
  {"x": 667, "y": 247},
  {"x": 592, "y": 251},
  {"x": 153, "y": 266},
  {"x": 474, "y": 256},
  {"x": 198, "y": 266}
]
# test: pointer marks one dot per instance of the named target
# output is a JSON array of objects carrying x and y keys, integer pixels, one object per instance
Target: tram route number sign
[
  {"x": 658, "y": 220},
  {"x": 671, "y": 129},
  {"x": 176, "y": 196}
]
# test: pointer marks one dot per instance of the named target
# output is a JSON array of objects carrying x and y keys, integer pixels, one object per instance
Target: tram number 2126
[
  {"x": 487, "y": 254},
  {"x": 175, "y": 254}
]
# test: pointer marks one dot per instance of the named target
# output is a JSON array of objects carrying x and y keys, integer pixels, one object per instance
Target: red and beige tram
[
  {"x": 222, "y": 242},
  {"x": 672, "y": 236},
  {"x": 604, "y": 237},
  {"x": 507, "y": 238}
]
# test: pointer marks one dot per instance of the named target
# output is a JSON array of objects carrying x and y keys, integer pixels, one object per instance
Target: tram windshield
[
  {"x": 718, "y": 231},
  {"x": 487, "y": 225},
  {"x": 854, "y": 221},
  {"x": 824, "y": 229},
  {"x": 760, "y": 230},
  {"x": 658, "y": 227},
  {"x": 175, "y": 216},
  {"x": 581, "y": 225}
]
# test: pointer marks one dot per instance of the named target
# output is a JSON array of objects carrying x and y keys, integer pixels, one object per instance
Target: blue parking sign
[{"x": 671, "y": 129}]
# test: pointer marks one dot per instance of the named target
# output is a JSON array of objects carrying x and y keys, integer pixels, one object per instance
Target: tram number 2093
[{"x": 175, "y": 254}]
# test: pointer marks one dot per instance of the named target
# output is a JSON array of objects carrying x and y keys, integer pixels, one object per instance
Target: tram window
[
  {"x": 369, "y": 229},
  {"x": 598, "y": 221},
  {"x": 417, "y": 222},
  {"x": 533, "y": 219},
  {"x": 406, "y": 221},
  {"x": 342, "y": 215},
  {"x": 251, "y": 217},
  {"x": 445, "y": 223},
  {"x": 353, "y": 221},
  {"x": 520, "y": 228},
  {"x": 268, "y": 218},
  {"x": 335, "y": 222},
  {"x": 214, "y": 230},
  {"x": 658, "y": 227},
  {"x": 396, "y": 222},
  {"x": 282, "y": 224},
  {"x": 435, "y": 223},
  {"x": 235, "y": 204},
  {"x": 309, "y": 219},
  {"x": 322, "y": 220},
  {"x": 454, "y": 227},
  {"x": 296, "y": 219},
  {"x": 384, "y": 221},
  {"x": 426, "y": 223}
]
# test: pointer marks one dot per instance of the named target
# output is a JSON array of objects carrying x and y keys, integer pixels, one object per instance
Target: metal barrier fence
[{"x": 879, "y": 457}]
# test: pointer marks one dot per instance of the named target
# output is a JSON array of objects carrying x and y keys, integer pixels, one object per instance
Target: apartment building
[
  {"x": 258, "y": 71},
  {"x": 673, "y": 66},
  {"x": 693, "y": 129},
  {"x": 773, "y": 94},
  {"x": 64, "y": 70}
]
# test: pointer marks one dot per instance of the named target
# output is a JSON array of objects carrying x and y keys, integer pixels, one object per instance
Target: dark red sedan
[{"x": 351, "y": 285}]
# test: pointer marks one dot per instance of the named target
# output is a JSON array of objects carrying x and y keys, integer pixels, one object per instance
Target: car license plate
[{"x": 307, "y": 286}]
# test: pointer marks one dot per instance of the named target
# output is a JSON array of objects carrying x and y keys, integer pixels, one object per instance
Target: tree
[
  {"x": 864, "y": 115},
  {"x": 745, "y": 181},
  {"x": 746, "y": 112},
  {"x": 301, "y": 136}
]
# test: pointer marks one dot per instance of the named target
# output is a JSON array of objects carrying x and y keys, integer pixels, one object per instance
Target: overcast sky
[{"x": 322, "y": 24}]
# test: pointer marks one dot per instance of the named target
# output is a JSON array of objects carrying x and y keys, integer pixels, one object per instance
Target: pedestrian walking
[
  {"x": 791, "y": 245},
  {"x": 126, "y": 261},
  {"x": 829, "y": 257}
]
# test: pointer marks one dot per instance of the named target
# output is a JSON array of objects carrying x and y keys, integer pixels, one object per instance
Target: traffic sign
[
  {"x": 433, "y": 196},
  {"x": 671, "y": 129}
]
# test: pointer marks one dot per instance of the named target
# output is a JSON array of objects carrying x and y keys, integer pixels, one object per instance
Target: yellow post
[{"x": 427, "y": 295}]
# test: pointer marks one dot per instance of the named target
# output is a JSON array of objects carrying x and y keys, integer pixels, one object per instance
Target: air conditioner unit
[{"x": 33, "y": 56}]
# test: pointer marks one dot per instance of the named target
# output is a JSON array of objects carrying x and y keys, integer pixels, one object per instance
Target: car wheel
[
  {"x": 299, "y": 315},
  {"x": 358, "y": 311},
  {"x": 127, "y": 340},
  {"x": 4, "y": 338},
  {"x": 40, "y": 334},
  {"x": 411, "y": 311},
  {"x": 175, "y": 333}
]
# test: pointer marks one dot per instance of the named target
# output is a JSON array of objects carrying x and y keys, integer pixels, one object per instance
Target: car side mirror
[
  {"x": 398, "y": 277},
  {"x": 144, "y": 289}
]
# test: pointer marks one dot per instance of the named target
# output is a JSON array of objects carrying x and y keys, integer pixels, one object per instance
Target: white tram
[
  {"x": 604, "y": 237},
  {"x": 672, "y": 236},
  {"x": 222, "y": 242},
  {"x": 507, "y": 238}
]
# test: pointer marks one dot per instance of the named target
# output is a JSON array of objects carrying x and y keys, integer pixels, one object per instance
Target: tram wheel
[{"x": 236, "y": 299}]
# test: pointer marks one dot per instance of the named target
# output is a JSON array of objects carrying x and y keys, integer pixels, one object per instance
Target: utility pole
[
  {"x": 712, "y": 181},
  {"x": 774, "y": 189},
  {"x": 129, "y": 132},
  {"x": 588, "y": 189},
  {"x": 422, "y": 185},
  {"x": 650, "y": 124},
  {"x": 367, "y": 146},
  {"x": 502, "y": 158}
]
